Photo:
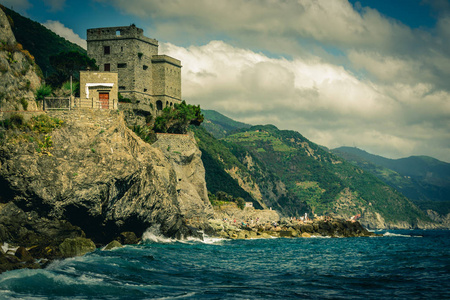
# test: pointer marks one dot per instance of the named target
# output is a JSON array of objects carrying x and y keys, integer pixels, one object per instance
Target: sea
[{"x": 401, "y": 264}]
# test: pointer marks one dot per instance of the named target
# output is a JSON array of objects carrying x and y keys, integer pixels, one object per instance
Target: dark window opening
[
  {"x": 122, "y": 88},
  {"x": 107, "y": 67},
  {"x": 159, "y": 105},
  {"x": 106, "y": 50},
  {"x": 121, "y": 49},
  {"x": 145, "y": 90},
  {"x": 144, "y": 67},
  {"x": 121, "y": 66}
]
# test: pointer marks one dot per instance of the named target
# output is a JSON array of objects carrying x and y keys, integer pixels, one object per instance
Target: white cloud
[
  {"x": 336, "y": 73},
  {"x": 326, "y": 103},
  {"x": 67, "y": 33}
]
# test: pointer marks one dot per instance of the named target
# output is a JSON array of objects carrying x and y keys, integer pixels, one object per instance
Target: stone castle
[{"x": 144, "y": 76}]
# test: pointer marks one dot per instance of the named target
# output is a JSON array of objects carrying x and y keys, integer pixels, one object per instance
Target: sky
[{"x": 374, "y": 74}]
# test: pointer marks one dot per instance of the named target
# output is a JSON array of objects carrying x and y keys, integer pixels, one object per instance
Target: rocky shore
[{"x": 289, "y": 229}]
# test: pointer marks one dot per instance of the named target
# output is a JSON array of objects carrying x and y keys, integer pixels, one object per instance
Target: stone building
[
  {"x": 98, "y": 90},
  {"x": 144, "y": 76}
]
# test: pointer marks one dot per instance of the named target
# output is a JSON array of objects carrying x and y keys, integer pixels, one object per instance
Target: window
[
  {"x": 107, "y": 67},
  {"x": 144, "y": 67},
  {"x": 121, "y": 49},
  {"x": 145, "y": 90},
  {"x": 118, "y": 32},
  {"x": 106, "y": 50},
  {"x": 122, "y": 88},
  {"x": 121, "y": 66}
]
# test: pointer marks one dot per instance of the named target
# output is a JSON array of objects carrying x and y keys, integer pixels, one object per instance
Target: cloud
[
  {"x": 339, "y": 74},
  {"x": 67, "y": 33},
  {"x": 325, "y": 102}
]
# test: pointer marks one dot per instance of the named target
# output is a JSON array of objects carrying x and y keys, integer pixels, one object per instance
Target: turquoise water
[{"x": 401, "y": 264}]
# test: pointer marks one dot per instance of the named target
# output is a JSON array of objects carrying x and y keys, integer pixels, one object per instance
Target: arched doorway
[{"x": 159, "y": 105}]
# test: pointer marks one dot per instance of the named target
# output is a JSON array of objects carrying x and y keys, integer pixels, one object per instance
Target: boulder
[
  {"x": 112, "y": 245},
  {"x": 23, "y": 254},
  {"x": 128, "y": 238},
  {"x": 306, "y": 235},
  {"x": 76, "y": 247}
]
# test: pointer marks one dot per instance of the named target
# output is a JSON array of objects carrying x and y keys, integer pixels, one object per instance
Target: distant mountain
[
  {"x": 38, "y": 40},
  {"x": 423, "y": 179},
  {"x": 219, "y": 125},
  {"x": 283, "y": 170}
]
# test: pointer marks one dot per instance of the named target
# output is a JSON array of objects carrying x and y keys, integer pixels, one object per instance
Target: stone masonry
[{"x": 144, "y": 75}]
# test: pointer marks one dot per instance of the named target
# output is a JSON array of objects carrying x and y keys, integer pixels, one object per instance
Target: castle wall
[
  {"x": 143, "y": 75},
  {"x": 129, "y": 54}
]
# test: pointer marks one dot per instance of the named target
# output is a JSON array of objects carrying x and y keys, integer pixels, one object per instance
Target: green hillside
[
  {"x": 424, "y": 180},
  {"x": 294, "y": 176},
  {"x": 38, "y": 40},
  {"x": 219, "y": 125}
]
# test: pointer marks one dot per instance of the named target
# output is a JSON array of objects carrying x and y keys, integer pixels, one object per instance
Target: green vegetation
[
  {"x": 217, "y": 157},
  {"x": 36, "y": 131},
  {"x": 424, "y": 180},
  {"x": 222, "y": 198},
  {"x": 296, "y": 176},
  {"x": 219, "y": 125},
  {"x": 178, "y": 118},
  {"x": 43, "y": 91},
  {"x": 68, "y": 64},
  {"x": 123, "y": 99},
  {"x": 38, "y": 40}
]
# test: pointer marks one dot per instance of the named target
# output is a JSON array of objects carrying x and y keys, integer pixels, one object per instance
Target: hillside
[
  {"x": 285, "y": 171},
  {"x": 38, "y": 40},
  {"x": 423, "y": 179},
  {"x": 219, "y": 125}
]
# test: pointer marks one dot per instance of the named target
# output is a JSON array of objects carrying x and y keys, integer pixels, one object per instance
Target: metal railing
[{"x": 50, "y": 103}]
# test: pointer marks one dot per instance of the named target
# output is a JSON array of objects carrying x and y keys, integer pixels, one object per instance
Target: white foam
[
  {"x": 153, "y": 234},
  {"x": 399, "y": 235}
]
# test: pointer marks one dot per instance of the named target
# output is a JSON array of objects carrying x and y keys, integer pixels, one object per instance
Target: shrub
[
  {"x": 43, "y": 91},
  {"x": 24, "y": 103}
]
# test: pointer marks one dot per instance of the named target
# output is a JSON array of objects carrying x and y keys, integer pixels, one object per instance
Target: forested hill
[
  {"x": 38, "y": 40},
  {"x": 424, "y": 180},
  {"x": 219, "y": 125},
  {"x": 284, "y": 170}
]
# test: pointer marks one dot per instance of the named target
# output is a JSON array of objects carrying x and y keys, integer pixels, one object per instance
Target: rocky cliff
[
  {"x": 18, "y": 75},
  {"x": 96, "y": 176}
]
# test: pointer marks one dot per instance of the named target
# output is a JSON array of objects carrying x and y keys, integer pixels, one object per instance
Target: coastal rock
[
  {"x": 76, "y": 247},
  {"x": 185, "y": 157},
  {"x": 17, "y": 72},
  {"x": 23, "y": 254},
  {"x": 128, "y": 238},
  {"x": 112, "y": 245},
  {"x": 100, "y": 179}
]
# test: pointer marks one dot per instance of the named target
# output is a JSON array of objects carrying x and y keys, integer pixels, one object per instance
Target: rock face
[
  {"x": 98, "y": 179},
  {"x": 185, "y": 157},
  {"x": 17, "y": 72}
]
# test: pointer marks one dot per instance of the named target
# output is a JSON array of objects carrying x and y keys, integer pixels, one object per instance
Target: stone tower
[{"x": 143, "y": 75}]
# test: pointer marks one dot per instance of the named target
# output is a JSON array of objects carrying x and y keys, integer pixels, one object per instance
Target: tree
[
  {"x": 178, "y": 118},
  {"x": 68, "y": 64}
]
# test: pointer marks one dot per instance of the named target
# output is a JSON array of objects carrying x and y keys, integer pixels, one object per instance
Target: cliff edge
[{"x": 94, "y": 176}]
